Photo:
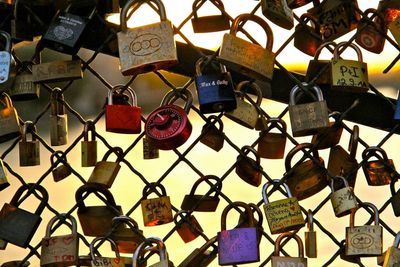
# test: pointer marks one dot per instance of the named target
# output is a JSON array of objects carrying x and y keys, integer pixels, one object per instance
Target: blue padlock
[{"x": 397, "y": 112}]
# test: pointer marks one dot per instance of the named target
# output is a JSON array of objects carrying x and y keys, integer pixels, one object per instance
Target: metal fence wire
[{"x": 183, "y": 157}]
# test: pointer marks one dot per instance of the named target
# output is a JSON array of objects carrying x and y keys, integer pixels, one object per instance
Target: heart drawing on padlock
[{"x": 62, "y": 33}]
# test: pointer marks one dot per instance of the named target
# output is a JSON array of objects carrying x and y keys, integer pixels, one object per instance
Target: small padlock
[
  {"x": 245, "y": 222},
  {"x": 58, "y": 119},
  {"x": 149, "y": 150},
  {"x": 308, "y": 118},
  {"x": 248, "y": 58},
  {"x": 188, "y": 227},
  {"x": 272, "y": 145},
  {"x": 392, "y": 255},
  {"x": 24, "y": 88},
  {"x": 60, "y": 250},
  {"x": 310, "y": 237},
  {"x": 89, "y": 147},
  {"x": 330, "y": 136},
  {"x": 9, "y": 122},
  {"x": 214, "y": 90},
  {"x": 8, "y": 69},
  {"x": 370, "y": 32},
  {"x": 168, "y": 127},
  {"x": 29, "y": 150},
  {"x": 201, "y": 202},
  {"x": 63, "y": 171},
  {"x": 159, "y": 248},
  {"x": 4, "y": 183},
  {"x": 147, "y": 48},
  {"x": 318, "y": 70},
  {"x": 248, "y": 169},
  {"x": 156, "y": 211},
  {"x": 124, "y": 119},
  {"x": 210, "y": 23},
  {"x": 105, "y": 172},
  {"x": 349, "y": 75},
  {"x": 278, "y": 261},
  {"x": 261, "y": 123},
  {"x": 118, "y": 261},
  {"x": 201, "y": 257},
  {"x": 297, "y": 3},
  {"x": 307, "y": 38},
  {"x": 343, "y": 200},
  {"x": 282, "y": 215},
  {"x": 246, "y": 114},
  {"x": 213, "y": 136},
  {"x": 278, "y": 12},
  {"x": 365, "y": 240},
  {"x": 126, "y": 239},
  {"x": 395, "y": 198},
  {"x": 380, "y": 171}
]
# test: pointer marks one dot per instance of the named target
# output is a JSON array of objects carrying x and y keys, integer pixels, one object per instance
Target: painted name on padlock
[
  {"x": 108, "y": 262},
  {"x": 156, "y": 209},
  {"x": 283, "y": 213},
  {"x": 334, "y": 22},
  {"x": 354, "y": 73},
  {"x": 57, "y": 71}
]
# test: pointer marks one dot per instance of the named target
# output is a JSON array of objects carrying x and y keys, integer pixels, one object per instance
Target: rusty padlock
[
  {"x": 210, "y": 23},
  {"x": 201, "y": 257},
  {"x": 320, "y": 70},
  {"x": 343, "y": 200},
  {"x": 278, "y": 12},
  {"x": 58, "y": 118},
  {"x": 370, "y": 34},
  {"x": 272, "y": 145},
  {"x": 29, "y": 150},
  {"x": 89, "y": 147},
  {"x": 329, "y": 136},
  {"x": 188, "y": 227},
  {"x": 278, "y": 261},
  {"x": 105, "y": 172},
  {"x": 213, "y": 136},
  {"x": 248, "y": 169},
  {"x": 380, "y": 171},
  {"x": 9, "y": 122},
  {"x": 156, "y": 211},
  {"x": 64, "y": 170},
  {"x": 126, "y": 239},
  {"x": 310, "y": 237},
  {"x": 307, "y": 38}
]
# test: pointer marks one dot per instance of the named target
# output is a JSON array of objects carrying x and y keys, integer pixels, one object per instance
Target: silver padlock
[
  {"x": 58, "y": 119},
  {"x": 29, "y": 150}
]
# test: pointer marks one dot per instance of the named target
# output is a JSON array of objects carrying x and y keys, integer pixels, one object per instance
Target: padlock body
[
  {"x": 97, "y": 220},
  {"x": 58, "y": 130},
  {"x": 104, "y": 173},
  {"x": 370, "y": 39},
  {"x": 396, "y": 204},
  {"x": 340, "y": 163},
  {"x": 245, "y": 114},
  {"x": 60, "y": 250},
  {"x": 349, "y": 76},
  {"x": 272, "y": 146},
  {"x": 127, "y": 240},
  {"x": 377, "y": 174},
  {"x": 315, "y": 67},
  {"x": 327, "y": 137},
  {"x": 24, "y": 88},
  {"x": 310, "y": 243},
  {"x": 248, "y": 170},
  {"x": 123, "y": 119},
  {"x": 305, "y": 40},
  {"x": 392, "y": 257},
  {"x": 29, "y": 153},
  {"x": 277, "y": 261},
  {"x": 343, "y": 201},
  {"x": 278, "y": 12},
  {"x": 57, "y": 71},
  {"x": 156, "y": 211},
  {"x": 60, "y": 173},
  {"x": 9, "y": 124},
  {"x": 365, "y": 240},
  {"x": 211, "y": 23},
  {"x": 205, "y": 204},
  {"x": 189, "y": 232},
  {"x": 149, "y": 150},
  {"x": 213, "y": 137},
  {"x": 88, "y": 153}
]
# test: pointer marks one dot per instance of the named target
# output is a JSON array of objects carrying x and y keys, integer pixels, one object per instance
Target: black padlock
[{"x": 21, "y": 24}]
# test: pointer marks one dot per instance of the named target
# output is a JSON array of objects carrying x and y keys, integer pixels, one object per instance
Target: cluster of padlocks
[{"x": 152, "y": 47}]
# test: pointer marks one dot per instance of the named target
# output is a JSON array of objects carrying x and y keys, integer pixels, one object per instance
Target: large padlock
[
  {"x": 310, "y": 237},
  {"x": 297, "y": 3},
  {"x": 343, "y": 200},
  {"x": 159, "y": 249},
  {"x": 214, "y": 90},
  {"x": 24, "y": 88},
  {"x": 245, "y": 222},
  {"x": 188, "y": 227},
  {"x": 395, "y": 198},
  {"x": 380, "y": 171},
  {"x": 392, "y": 255},
  {"x": 349, "y": 75},
  {"x": 282, "y": 215},
  {"x": 89, "y": 147},
  {"x": 96, "y": 220},
  {"x": 9, "y": 122},
  {"x": 370, "y": 31},
  {"x": 210, "y": 23},
  {"x": 123, "y": 118},
  {"x": 330, "y": 136},
  {"x": 272, "y": 145},
  {"x": 213, "y": 136},
  {"x": 168, "y": 127},
  {"x": 245, "y": 57},
  {"x": 8, "y": 69},
  {"x": 278, "y": 12},
  {"x": 246, "y": 114},
  {"x": 29, "y": 150},
  {"x": 319, "y": 70},
  {"x": 278, "y": 261},
  {"x": 248, "y": 169},
  {"x": 201, "y": 202},
  {"x": 307, "y": 118},
  {"x": 58, "y": 119},
  {"x": 365, "y": 240},
  {"x": 17, "y": 226},
  {"x": 4, "y": 183},
  {"x": 306, "y": 178},
  {"x": 118, "y": 261},
  {"x": 126, "y": 239},
  {"x": 149, "y": 47},
  {"x": 201, "y": 257},
  {"x": 64, "y": 170},
  {"x": 239, "y": 245},
  {"x": 156, "y": 211},
  {"x": 149, "y": 150},
  {"x": 60, "y": 250},
  {"x": 105, "y": 172},
  {"x": 307, "y": 38}
]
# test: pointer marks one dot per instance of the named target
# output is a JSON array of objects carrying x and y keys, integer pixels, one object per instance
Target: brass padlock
[
  {"x": 159, "y": 248},
  {"x": 118, "y": 261},
  {"x": 282, "y": 215},
  {"x": 307, "y": 38},
  {"x": 392, "y": 255},
  {"x": 149, "y": 47},
  {"x": 156, "y": 211},
  {"x": 310, "y": 237},
  {"x": 29, "y": 150},
  {"x": 188, "y": 227},
  {"x": 64, "y": 170},
  {"x": 213, "y": 136},
  {"x": 370, "y": 31},
  {"x": 349, "y": 75},
  {"x": 248, "y": 58},
  {"x": 365, "y": 240},
  {"x": 278, "y": 261},
  {"x": 89, "y": 147},
  {"x": 7, "y": 63},
  {"x": 278, "y": 12},
  {"x": 380, "y": 171},
  {"x": 330, "y": 136},
  {"x": 9, "y": 122},
  {"x": 210, "y": 23},
  {"x": 307, "y": 118},
  {"x": 343, "y": 200},
  {"x": 126, "y": 239},
  {"x": 246, "y": 114},
  {"x": 272, "y": 145},
  {"x": 4, "y": 183},
  {"x": 58, "y": 119},
  {"x": 244, "y": 221},
  {"x": 318, "y": 70},
  {"x": 201, "y": 257},
  {"x": 248, "y": 169},
  {"x": 149, "y": 150},
  {"x": 24, "y": 88},
  {"x": 105, "y": 172}
]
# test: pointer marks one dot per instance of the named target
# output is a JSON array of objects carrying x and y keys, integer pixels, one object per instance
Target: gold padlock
[
  {"x": 213, "y": 136},
  {"x": 377, "y": 172},
  {"x": 392, "y": 255},
  {"x": 278, "y": 12},
  {"x": 310, "y": 237},
  {"x": 156, "y": 211},
  {"x": 272, "y": 145},
  {"x": 248, "y": 169},
  {"x": 9, "y": 122},
  {"x": 58, "y": 119},
  {"x": 89, "y": 147},
  {"x": 4, "y": 183},
  {"x": 105, "y": 172},
  {"x": 29, "y": 150},
  {"x": 329, "y": 136},
  {"x": 64, "y": 170},
  {"x": 210, "y": 23},
  {"x": 278, "y": 261},
  {"x": 343, "y": 200},
  {"x": 126, "y": 239},
  {"x": 319, "y": 70}
]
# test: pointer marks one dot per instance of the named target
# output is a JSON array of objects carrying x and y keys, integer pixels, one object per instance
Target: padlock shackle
[
  {"x": 56, "y": 107},
  {"x": 27, "y": 128},
  {"x": 136, "y": 4},
  {"x": 7, "y": 41},
  {"x": 372, "y": 151},
  {"x": 345, "y": 182},
  {"x": 322, "y": 46},
  {"x": 116, "y": 150},
  {"x": 351, "y": 45},
  {"x": 207, "y": 178},
  {"x": 310, "y": 221},
  {"x": 208, "y": 244},
  {"x": 275, "y": 121},
  {"x": 242, "y": 86},
  {"x": 203, "y": 60},
  {"x": 142, "y": 248},
  {"x": 310, "y": 17},
  {"x": 246, "y": 17},
  {"x": 102, "y": 238},
  {"x": 89, "y": 127},
  {"x": 364, "y": 204},
  {"x": 92, "y": 188},
  {"x": 252, "y": 150},
  {"x": 353, "y": 143},
  {"x": 296, "y": 90},
  {"x": 268, "y": 184},
  {"x": 27, "y": 187},
  {"x": 131, "y": 92},
  {"x": 379, "y": 19},
  {"x": 218, "y": 3},
  {"x": 74, "y": 228},
  {"x": 254, "y": 209},
  {"x": 7, "y": 103},
  {"x": 148, "y": 189},
  {"x": 213, "y": 118},
  {"x": 60, "y": 154},
  {"x": 297, "y": 148},
  {"x": 132, "y": 224},
  {"x": 179, "y": 93},
  {"x": 287, "y": 235},
  {"x": 247, "y": 210}
]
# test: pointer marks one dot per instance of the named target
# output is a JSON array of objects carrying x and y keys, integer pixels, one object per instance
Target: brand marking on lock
[{"x": 145, "y": 44}]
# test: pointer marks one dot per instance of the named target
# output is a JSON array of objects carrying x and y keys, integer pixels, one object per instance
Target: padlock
[
  {"x": 96, "y": 220},
  {"x": 307, "y": 118},
  {"x": 124, "y": 119},
  {"x": 278, "y": 12},
  {"x": 282, "y": 215},
  {"x": 9, "y": 122},
  {"x": 105, "y": 172},
  {"x": 272, "y": 145},
  {"x": 118, "y": 261},
  {"x": 4, "y": 183},
  {"x": 240, "y": 245},
  {"x": 278, "y": 261},
  {"x": 214, "y": 90},
  {"x": 63, "y": 171},
  {"x": 330, "y": 136},
  {"x": 159, "y": 248},
  {"x": 370, "y": 31},
  {"x": 261, "y": 123},
  {"x": 147, "y": 48},
  {"x": 8, "y": 68},
  {"x": 65, "y": 32},
  {"x": 149, "y": 150},
  {"x": 201, "y": 257},
  {"x": 307, "y": 38},
  {"x": 308, "y": 177},
  {"x": 60, "y": 250},
  {"x": 248, "y": 169},
  {"x": 16, "y": 264},
  {"x": 343, "y": 256},
  {"x": 349, "y": 75},
  {"x": 247, "y": 58},
  {"x": 318, "y": 70},
  {"x": 126, "y": 239},
  {"x": 168, "y": 127},
  {"x": 395, "y": 198},
  {"x": 29, "y": 150},
  {"x": 246, "y": 114},
  {"x": 365, "y": 240},
  {"x": 89, "y": 147},
  {"x": 297, "y": 3},
  {"x": 58, "y": 119},
  {"x": 377, "y": 172},
  {"x": 381, "y": 258},
  {"x": 24, "y": 88},
  {"x": 343, "y": 200},
  {"x": 210, "y": 23},
  {"x": 245, "y": 222},
  {"x": 392, "y": 255},
  {"x": 310, "y": 237},
  {"x": 201, "y": 202},
  {"x": 156, "y": 211},
  {"x": 17, "y": 226},
  {"x": 188, "y": 227},
  {"x": 213, "y": 136},
  {"x": 394, "y": 28}
]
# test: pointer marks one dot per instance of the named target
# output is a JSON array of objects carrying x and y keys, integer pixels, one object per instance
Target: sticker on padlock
[
  {"x": 210, "y": 23},
  {"x": 278, "y": 12},
  {"x": 213, "y": 136},
  {"x": 187, "y": 227},
  {"x": 152, "y": 244},
  {"x": 248, "y": 169},
  {"x": 278, "y": 261},
  {"x": 60, "y": 172},
  {"x": 156, "y": 211},
  {"x": 343, "y": 200},
  {"x": 58, "y": 118},
  {"x": 369, "y": 34},
  {"x": 89, "y": 147},
  {"x": 7, "y": 62},
  {"x": 307, "y": 38},
  {"x": 105, "y": 172},
  {"x": 29, "y": 150}
]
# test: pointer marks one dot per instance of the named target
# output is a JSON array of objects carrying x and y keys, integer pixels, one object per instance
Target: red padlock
[
  {"x": 123, "y": 118},
  {"x": 168, "y": 127}
]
